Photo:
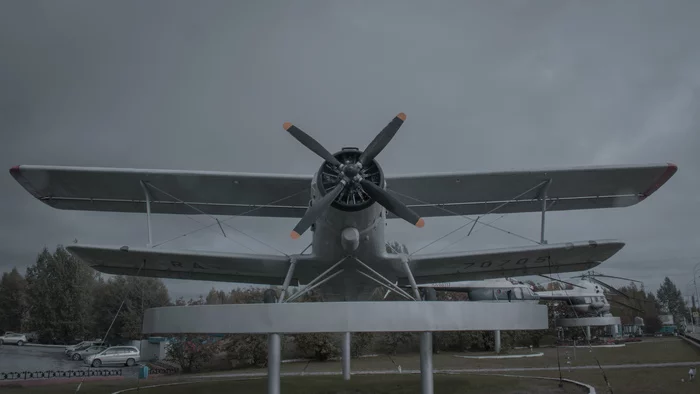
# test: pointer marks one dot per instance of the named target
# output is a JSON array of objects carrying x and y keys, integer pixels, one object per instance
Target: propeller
[{"x": 353, "y": 176}]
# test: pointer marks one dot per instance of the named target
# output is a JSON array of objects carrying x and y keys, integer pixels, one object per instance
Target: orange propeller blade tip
[
  {"x": 401, "y": 116},
  {"x": 295, "y": 235},
  {"x": 420, "y": 223},
  {"x": 287, "y": 125}
]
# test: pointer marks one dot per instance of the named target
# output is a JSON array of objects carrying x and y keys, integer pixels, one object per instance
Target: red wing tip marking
[
  {"x": 401, "y": 116},
  {"x": 295, "y": 235},
  {"x": 14, "y": 170},
  {"x": 287, "y": 125},
  {"x": 670, "y": 170},
  {"x": 420, "y": 223}
]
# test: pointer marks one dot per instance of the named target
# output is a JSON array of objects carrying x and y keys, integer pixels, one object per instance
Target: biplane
[{"x": 345, "y": 205}]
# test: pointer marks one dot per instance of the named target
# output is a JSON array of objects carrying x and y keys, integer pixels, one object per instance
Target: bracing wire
[
  {"x": 211, "y": 216},
  {"x": 104, "y": 339},
  {"x": 470, "y": 220},
  {"x": 233, "y": 217}
]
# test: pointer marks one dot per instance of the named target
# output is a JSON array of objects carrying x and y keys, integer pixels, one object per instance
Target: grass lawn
[
  {"x": 633, "y": 380},
  {"x": 660, "y": 350},
  {"x": 369, "y": 384}
]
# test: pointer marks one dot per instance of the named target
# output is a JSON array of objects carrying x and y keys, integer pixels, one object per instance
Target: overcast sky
[{"x": 486, "y": 85}]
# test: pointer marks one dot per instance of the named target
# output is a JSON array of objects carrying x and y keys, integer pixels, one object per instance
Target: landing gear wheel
[{"x": 270, "y": 296}]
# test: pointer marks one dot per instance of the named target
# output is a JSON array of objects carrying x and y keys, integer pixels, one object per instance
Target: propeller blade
[
  {"x": 381, "y": 140},
  {"x": 607, "y": 286},
  {"x": 316, "y": 209},
  {"x": 627, "y": 306},
  {"x": 311, "y": 143},
  {"x": 562, "y": 281},
  {"x": 391, "y": 203}
]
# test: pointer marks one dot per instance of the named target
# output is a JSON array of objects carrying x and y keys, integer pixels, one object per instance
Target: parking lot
[{"x": 41, "y": 358}]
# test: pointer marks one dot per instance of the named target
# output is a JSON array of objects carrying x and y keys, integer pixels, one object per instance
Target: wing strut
[
  {"x": 543, "y": 197},
  {"x": 148, "y": 212}
]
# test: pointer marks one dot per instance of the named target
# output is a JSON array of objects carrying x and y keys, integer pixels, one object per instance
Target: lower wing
[
  {"x": 510, "y": 262},
  {"x": 221, "y": 267}
]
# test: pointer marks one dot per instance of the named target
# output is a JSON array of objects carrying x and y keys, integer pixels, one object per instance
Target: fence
[{"x": 76, "y": 373}]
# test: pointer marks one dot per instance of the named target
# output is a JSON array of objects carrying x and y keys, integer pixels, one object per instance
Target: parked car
[
  {"x": 82, "y": 353},
  {"x": 83, "y": 345},
  {"x": 70, "y": 350},
  {"x": 115, "y": 355},
  {"x": 13, "y": 338}
]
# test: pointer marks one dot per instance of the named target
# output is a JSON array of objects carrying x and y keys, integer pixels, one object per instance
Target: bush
[
  {"x": 360, "y": 342},
  {"x": 248, "y": 349},
  {"x": 319, "y": 346},
  {"x": 190, "y": 352}
]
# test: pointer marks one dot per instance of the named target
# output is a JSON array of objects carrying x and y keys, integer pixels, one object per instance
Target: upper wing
[
  {"x": 510, "y": 262},
  {"x": 222, "y": 267},
  {"x": 569, "y": 189},
  {"x": 120, "y": 190}
]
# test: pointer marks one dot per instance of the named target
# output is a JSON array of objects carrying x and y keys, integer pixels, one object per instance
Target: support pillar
[
  {"x": 588, "y": 333},
  {"x": 426, "y": 362},
  {"x": 346, "y": 355},
  {"x": 497, "y": 341},
  {"x": 273, "y": 363}
]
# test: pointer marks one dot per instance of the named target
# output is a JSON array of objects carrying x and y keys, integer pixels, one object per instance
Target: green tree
[
  {"x": 59, "y": 296},
  {"x": 13, "y": 301},
  {"x": 137, "y": 293},
  {"x": 670, "y": 299}
]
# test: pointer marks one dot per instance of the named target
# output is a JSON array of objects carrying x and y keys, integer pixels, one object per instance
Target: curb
[
  {"x": 591, "y": 389},
  {"x": 501, "y": 357}
]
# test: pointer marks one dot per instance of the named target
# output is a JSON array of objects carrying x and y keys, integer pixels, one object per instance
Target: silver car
[
  {"x": 82, "y": 353},
  {"x": 115, "y": 355},
  {"x": 17, "y": 339}
]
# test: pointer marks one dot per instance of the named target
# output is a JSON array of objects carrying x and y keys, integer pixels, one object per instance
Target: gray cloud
[{"x": 486, "y": 86}]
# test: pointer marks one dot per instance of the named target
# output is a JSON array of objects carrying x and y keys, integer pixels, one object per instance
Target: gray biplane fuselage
[{"x": 346, "y": 205}]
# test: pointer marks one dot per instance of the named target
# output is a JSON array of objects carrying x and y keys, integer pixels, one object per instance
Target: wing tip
[
  {"x": 671, "y": 169},
  {"x": 14, "y": 170}
]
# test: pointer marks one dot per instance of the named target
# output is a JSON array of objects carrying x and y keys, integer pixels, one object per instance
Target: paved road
[{"x": 30, "y": 358}]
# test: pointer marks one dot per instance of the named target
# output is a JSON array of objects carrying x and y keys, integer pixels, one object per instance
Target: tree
[
  {"x": 137, "y": 294},
  {"x": 671, "y": 300},
  {"x": 59, "y": 291},
  {"x": 13, "y": 301}
]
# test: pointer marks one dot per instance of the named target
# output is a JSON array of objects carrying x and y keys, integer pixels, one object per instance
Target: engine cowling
[{"x": 353, "y": 198}]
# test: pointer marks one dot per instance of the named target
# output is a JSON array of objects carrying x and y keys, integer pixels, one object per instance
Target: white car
[{"x": 13, "y": 338}]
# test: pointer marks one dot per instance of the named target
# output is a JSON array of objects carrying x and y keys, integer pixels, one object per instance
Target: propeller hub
[{"x": 351, "y": 170}]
